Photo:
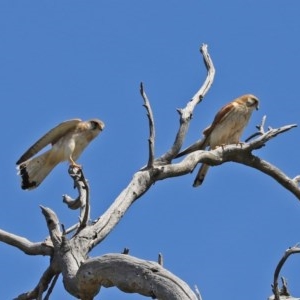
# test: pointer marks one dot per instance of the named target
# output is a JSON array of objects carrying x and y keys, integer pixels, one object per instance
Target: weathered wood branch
[
  {"x": 23, "y": 244},
  {"x": 83, "y": 199},
  {"x": 151, "y": 140},
  {"x": 283, "y": 293},
  {"x": 84, "y": 277},
  {"x": 131, "y": 275},
  {"x": 261, "y": 129},
  {"x": 37, "y": 293},
  {"x": 187, "y": 112}
]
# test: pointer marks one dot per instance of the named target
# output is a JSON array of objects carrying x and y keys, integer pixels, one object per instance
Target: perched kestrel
[
  {"x": 68, "y": 140},
  {"x": 226, "y": 128}
]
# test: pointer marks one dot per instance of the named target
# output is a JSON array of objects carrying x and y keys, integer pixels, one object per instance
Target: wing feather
[
  {"x": 49, "y": 138},
  {"x": 223, "y": 113},
  {"x": 198, "y": 145}
]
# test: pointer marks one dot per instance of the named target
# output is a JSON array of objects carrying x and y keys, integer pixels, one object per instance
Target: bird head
[
  {"x": 251, "y": 101},
  {"x": 97, "y": 124}
]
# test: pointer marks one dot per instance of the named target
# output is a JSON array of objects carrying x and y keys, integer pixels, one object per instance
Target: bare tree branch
[
  {"x": 50, "y": 290},
  {"x": 260, "y": 128},
  {"x": 37, "y": 292},
  {"x": 275, "y": 287},
  {"x": 198, "y": 293},
  {"x": 187, "y": 112},
  {"x": 30, "y": 248},
  {"x": 83, "y": 199},
  {"x": 151, "y": 126},
  {"x": 147, "y": 278},
  {"x": 53, "y": 226},
  {"x": 83, "y": 277},
  {"x": 160, "y": 259}
]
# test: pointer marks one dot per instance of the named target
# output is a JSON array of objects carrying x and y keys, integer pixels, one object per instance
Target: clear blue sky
[{"x": 84, "y": 59}]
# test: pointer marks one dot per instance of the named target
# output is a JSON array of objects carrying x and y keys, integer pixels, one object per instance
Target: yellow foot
[
  {"x": 222, "y": 146},
  {"x": 76, "y": 165},
  {"x": 73, "y": 163},
  {"x": 240, "y": 143}
]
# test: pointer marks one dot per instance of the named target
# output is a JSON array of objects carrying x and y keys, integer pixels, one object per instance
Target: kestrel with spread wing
[
  {"x": 68, "y": 140},
  {"x": 226, "y": 128}
]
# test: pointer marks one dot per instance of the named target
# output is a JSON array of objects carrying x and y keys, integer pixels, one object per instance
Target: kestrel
[
  {"x": 68, "y": 140},
  {"x": 226, "y": 128}
]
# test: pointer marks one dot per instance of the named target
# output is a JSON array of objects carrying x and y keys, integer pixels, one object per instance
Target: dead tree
[{"x": 69, "y": 248}]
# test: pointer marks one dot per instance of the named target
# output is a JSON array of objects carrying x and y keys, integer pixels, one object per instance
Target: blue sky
[{"x": 83, "y": 59}]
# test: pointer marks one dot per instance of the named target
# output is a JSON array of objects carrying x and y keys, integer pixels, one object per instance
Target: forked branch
[{"x": 187, "y": 112}]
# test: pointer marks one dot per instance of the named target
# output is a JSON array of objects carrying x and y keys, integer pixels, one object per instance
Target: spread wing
[{"x": 49, "y": 138}]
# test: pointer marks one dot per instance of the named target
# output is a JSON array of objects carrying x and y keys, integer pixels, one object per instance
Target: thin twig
[
  {"x": 151, "y": 139},
  {"x": 260, "y": 128},
  {"x": 198, "y": 293},
  {"x": 125, "y": 251},
  {"x": 160, "y": 259},
  {"x": 50, "y": 290},
  {"x": 41, "y": 287}
]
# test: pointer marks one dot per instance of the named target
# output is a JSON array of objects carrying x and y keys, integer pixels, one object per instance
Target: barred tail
[{"x": 35, "y": 170}]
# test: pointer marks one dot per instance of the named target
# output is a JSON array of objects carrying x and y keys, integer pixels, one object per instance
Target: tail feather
[
  {"x": 35, "y": 170},
  {"x": 201, "y": 175},
  {"x": 199, "y": 145}
]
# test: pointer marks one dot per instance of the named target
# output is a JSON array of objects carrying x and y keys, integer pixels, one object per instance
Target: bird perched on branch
[
  {"x": 68, "y": 140},
  {"x": 226, "y": 128}
]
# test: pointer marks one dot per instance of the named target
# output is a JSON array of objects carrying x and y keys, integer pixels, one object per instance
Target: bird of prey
[
  {"x": 226, "y": 128},
  {"x": 68, "y": 140}
]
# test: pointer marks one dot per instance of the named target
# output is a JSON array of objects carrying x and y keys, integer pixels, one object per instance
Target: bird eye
[
  {"x": 97, "y": 125},
  {"x": 252, "y": 102}
]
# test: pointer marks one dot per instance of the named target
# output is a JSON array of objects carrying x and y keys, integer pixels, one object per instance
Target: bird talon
[{"x": 74, "y": 165}]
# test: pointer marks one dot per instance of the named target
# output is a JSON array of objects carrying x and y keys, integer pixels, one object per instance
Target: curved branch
[
  {"x": 187, "y": 112},
  {"x": 83, "y": 199},
  {"x": 269, "y": 169},
  {"x": 130, "y": 275},
  {"x": 275, "y": 288}
]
